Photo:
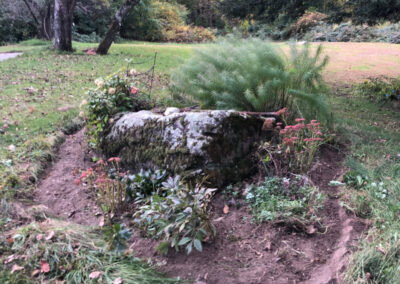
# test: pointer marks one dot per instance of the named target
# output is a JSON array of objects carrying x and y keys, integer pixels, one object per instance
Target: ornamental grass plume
[{"x": 254, "y": 75}]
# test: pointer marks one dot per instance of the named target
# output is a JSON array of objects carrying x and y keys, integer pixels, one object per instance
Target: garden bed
[{"x": 242, "y": 252}]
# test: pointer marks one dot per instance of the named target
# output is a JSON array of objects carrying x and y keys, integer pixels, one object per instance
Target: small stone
[{"x": 171, "y": 110}]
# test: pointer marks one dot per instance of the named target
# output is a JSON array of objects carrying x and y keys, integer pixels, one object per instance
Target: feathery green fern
[{"x": 253, "y": 75}]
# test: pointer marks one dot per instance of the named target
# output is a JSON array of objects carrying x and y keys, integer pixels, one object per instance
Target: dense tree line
[{"x": 148, "y": 19}]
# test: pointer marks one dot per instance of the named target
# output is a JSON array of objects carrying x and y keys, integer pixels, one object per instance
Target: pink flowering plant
[
  {"x": 106, "y": 180},
  {"x": 298, "y": 145},
  {"x": 300, "y": 142}
]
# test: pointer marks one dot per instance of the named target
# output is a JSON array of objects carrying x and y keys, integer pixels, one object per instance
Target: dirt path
[
  {"x": 347, "y": 227},
  {"x": 242, "y": 253},
  {"x": 57, "y": 190},
  {"x": 8, "y": 55}
]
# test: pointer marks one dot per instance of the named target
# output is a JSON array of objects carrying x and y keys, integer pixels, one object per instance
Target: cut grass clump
[{"x": 54, "y": 250}]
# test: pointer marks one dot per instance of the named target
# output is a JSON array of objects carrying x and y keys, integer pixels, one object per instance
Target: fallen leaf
[
  {"x": 218, "y": 219},
  {"x": 16, "y": 267},
  {"x": 311, "y": 230},
  {"x": 381, "y": 250},
  {"x": 226, "y": 209},
  {"x": 95, "y": 274},
  {"x": 39, "y": 237},
  {"x": 268, "y": 246},
  {"x": 64, "y": 109},
  {"x": 101, "y": 223},
  {"x": 9, "y": 259},
  {"x": 118, "y": 280},
  {"x": 44, "y": 266},
  {"x": 50, "y": 236},
  {"x": 11, "y": 148}
]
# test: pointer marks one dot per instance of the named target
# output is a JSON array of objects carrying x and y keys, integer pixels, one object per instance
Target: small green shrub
[
  {"x": 253, "y": 75},
  {"x": 305, "y": 22},
  {"x": 379, "y": 90},
  {"x": 355, "y": 179},
  {"x": 91, "y": 38},
  {"x": 116, "y": 93},
  {"x": 178, "y": 216},
  {"x": 117, "y": 235},
  {"x": 145, "y": 183},
  {"x": 284, "y": 200}
]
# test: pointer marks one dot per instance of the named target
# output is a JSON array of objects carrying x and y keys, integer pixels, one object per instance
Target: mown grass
[
  {"x": 373, "y": 132},
  {"x": 41, "y": 90}
]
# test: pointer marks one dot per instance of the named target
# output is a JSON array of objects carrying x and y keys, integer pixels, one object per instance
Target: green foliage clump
[
  {"x": 305, "y": 22},
  {"x": 284, "y": 200},
  {"x": 379, "y": 90},
  {"x": 177, "y": 215},
  {"x": 145, "y": 183},
  {"x": 162, "y": 21},
  {"x": 114, "y": 94},
  {"x": 252, "y": 75}
]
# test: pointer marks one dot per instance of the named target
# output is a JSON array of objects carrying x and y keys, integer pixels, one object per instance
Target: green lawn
[{"x": 41, "y": 90}]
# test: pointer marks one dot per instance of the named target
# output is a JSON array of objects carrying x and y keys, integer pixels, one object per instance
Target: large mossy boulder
[{"x": 216, "y": 145}]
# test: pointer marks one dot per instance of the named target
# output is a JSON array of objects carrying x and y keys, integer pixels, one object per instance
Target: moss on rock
[{"x": 217, "y": 145}]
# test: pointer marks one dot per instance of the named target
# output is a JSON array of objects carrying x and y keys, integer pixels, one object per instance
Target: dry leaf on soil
[
  {"x": 9, "y": 259},
  {"x": 44, "y": 266},
  {"x": 226, "y": 209},
  {"x": 16, "y": 267},
  {"x": 311, "y": 230},
  {"x": 95, "y": 274}
]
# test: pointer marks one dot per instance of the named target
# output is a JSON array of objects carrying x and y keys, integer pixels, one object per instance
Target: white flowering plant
[{"x": 116, "y": 93}]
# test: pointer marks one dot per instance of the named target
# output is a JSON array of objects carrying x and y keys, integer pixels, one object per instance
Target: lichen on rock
[{"x": 216, "y": 145}]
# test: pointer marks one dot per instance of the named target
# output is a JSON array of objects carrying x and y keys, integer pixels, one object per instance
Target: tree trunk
[
  {"x": 46, "y": 22},
  {"x": 63, "y": 14},
  {"x": 116, "y": 23}
]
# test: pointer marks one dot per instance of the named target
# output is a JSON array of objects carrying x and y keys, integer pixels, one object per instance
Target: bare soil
[
  {"x": 242, "y": 252},
  {"x": 58, "y": 192},
  {"x": 247, "y": 253}
]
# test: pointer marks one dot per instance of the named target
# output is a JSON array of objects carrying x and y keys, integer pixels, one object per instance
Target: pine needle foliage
[{"x": 254, "y": 75}]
